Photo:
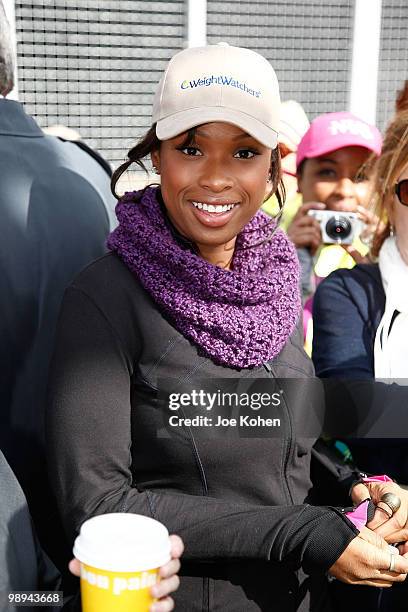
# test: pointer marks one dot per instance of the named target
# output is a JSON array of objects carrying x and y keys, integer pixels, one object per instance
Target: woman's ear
[
  {"x": 299, "y": 181},
  {"x": 155, "y": 157}
]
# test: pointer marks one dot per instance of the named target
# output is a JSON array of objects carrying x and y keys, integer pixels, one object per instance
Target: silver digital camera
[{"x": 337, "y": 227}]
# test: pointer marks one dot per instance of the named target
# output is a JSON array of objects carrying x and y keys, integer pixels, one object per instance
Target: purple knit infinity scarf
[{"x": 239, "y": 318}]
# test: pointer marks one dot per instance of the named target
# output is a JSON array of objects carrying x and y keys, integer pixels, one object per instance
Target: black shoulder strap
[{"x": 97, "y": 156}]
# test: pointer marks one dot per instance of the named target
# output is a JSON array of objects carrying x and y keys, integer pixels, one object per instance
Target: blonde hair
[
  {"x": 401, "y": 103},
  {"x": 386, "y": 169}
]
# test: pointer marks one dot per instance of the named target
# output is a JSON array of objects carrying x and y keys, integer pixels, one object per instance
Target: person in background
[
  {"x": 293, "y": 125},
  {"x": 201, "y": 284},
  {"x": 56, "y": 210},
  {"x": 330, "y": 171},
  {"x": 361, "y": 315}
]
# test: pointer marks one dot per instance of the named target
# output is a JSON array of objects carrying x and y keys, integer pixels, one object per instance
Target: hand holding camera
[
  {"x": 304, "y": 231},
  {"x": 337, "y": 227},
  {"x": 314, "y": 225}
]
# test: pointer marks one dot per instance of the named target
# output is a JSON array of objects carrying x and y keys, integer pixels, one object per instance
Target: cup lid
[{"x": 122, "y": 542}]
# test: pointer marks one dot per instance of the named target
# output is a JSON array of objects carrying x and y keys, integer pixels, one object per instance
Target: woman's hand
[
  {"x": 304, "y": 231},
  {"x": 356, "y": 255},
  {"x": 169, "y": 582},
  {"x": 366, "y": 561},
  {"x": 395, "y": 528},
  {"x": 372, "y": 224}
]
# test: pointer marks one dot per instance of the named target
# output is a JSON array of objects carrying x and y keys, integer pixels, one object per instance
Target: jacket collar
[{"x": 15, "y": 122}]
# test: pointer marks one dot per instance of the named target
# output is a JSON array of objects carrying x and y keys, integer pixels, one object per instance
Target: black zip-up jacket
[{"x": 251, "y": 540}]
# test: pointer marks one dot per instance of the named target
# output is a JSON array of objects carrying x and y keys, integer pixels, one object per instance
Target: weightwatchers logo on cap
[
  {"x": 350, "y": 126},
  {"x": 229, "y": 81},
  {"x": 218, "y": 83}
]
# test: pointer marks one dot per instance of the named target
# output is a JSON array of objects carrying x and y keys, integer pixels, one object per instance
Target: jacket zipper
[{"x": 289, "y": 445}]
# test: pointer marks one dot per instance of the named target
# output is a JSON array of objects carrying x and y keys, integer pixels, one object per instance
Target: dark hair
[
  {"x": 142, "y": 149},
  {"x": 150, "y": 143},
  {"x": 299, "y": 170}
]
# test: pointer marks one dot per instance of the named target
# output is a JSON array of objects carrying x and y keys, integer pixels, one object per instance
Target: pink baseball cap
[{"x": 334, "y": 131}]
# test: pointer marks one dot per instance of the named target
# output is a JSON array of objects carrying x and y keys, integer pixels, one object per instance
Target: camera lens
[{"x": 338, "y": 228}]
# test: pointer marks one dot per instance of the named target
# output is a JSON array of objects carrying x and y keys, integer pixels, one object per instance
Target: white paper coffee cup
[{"x": 120, "y": 555}]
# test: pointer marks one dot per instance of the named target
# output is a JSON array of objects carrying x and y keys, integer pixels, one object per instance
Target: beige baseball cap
[
  {"x": 218, "y": 83},
  {"x": 293, "y": 124}
]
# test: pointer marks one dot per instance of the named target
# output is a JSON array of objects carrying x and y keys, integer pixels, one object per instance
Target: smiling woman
[
  {"x": 213, "y": 186},
  {"x": 228, "y": 175},
  {"x": 200, "y": 285},
  {"x": 223, "y": 151}
]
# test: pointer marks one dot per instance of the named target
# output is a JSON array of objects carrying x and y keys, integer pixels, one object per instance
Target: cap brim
[
  {"x": 180, "y": 122},
  {"x": 322, "y": 150},
  {"x": 346, "y": 142}
]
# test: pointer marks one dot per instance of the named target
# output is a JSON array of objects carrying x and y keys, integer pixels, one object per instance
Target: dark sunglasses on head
[{"x": 401, "y": 189}]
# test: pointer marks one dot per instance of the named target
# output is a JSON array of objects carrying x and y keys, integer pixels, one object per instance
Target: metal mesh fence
[
  {"x": 308, "y": 42},
  {"x": 393, "y": 63},
  {"x": 93, "y": 65}
]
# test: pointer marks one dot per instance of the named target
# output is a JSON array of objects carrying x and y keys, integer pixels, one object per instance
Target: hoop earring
[{"x": 392, "y": 233}]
